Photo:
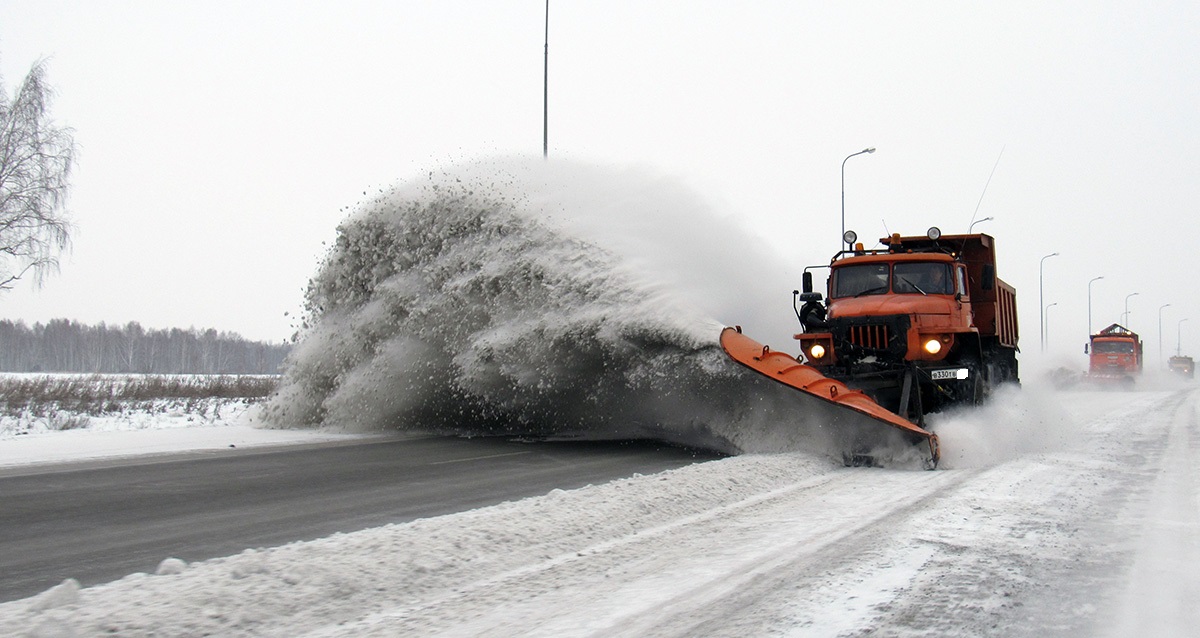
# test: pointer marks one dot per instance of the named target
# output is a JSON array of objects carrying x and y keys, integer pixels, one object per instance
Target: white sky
[{"x": 222, "y": 142}]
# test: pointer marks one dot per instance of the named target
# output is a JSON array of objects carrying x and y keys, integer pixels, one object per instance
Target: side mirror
[
  {"x": 988, "y": 281},
  {"x": 806, "y": 280},
  {"x": 1085, "y": 348}
]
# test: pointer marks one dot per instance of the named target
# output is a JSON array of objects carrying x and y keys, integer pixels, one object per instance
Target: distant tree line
[{"x": 62, "y": 345}]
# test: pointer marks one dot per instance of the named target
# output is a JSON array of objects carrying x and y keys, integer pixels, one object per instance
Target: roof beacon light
[{"x": 934, "y": 233}]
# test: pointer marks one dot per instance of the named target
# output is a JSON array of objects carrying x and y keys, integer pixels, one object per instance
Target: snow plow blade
[{"x": 853, "y": 413}]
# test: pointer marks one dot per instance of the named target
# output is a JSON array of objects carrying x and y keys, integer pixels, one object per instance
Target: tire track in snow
[
  {"x": 795, "y": 585},
  {"x": 961, "y": 556},
  {"x": 1167, "y": 550},
  {"x": 628, "y": 586},
  {"x": 1045, "y": 546},
  {"x": 970, "y": 558}
]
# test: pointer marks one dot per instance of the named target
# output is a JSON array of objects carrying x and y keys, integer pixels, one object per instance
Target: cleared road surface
[{"x": 100, "y": 521}]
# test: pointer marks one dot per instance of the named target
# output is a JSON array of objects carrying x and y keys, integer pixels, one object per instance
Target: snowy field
[
  {"x": 1086, "y": 526},
  {"x": 168, "y": 430}
]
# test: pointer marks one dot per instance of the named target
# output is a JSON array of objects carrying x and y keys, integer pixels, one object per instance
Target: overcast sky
[{"x": 222, "y": 142}]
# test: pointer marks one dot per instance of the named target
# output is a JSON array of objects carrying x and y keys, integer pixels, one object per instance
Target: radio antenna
[{"x": 985, "y": 186}]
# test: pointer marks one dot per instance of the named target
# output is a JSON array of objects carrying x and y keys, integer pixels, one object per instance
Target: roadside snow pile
[{"x": 542, "y": 300}]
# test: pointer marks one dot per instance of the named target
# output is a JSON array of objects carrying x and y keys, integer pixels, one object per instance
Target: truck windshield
[
  {"x": 860, "y": 279},
  {"x": 928, "y": 278},
  {"x": 1112, "y": 347}
]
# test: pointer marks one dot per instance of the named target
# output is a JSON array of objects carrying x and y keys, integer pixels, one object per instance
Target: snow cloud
[{"x": 531, "y": 298}]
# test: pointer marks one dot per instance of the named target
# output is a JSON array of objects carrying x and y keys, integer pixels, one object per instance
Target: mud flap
[{"x": 906, "y": 396}]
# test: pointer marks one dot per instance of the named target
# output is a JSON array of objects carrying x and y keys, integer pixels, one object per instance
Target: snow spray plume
[
  {"x": 1015, "y": 422},
  {"x": 499, "y": 300}
]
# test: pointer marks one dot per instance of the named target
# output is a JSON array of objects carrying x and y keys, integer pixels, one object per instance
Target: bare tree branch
[{"x": 36, "y": 158}]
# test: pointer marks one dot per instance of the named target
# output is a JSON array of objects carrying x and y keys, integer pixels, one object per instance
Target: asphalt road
[{"x": 100, "y": 521}]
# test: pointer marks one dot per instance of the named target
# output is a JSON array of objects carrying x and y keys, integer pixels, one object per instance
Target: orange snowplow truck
[
  {"x": 918, "y": 325},
  {"x": 1115, "y": 354}
]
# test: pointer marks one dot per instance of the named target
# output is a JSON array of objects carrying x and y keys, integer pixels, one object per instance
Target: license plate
[{"x": 942, "y": 375}]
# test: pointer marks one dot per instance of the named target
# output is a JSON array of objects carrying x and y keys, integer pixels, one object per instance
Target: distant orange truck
[{"x": 1114, "y": 354}]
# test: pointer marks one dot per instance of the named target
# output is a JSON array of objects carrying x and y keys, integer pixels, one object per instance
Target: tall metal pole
[
  {"x": 546, "y": 89},
  {"x": 1160, "y": 309},
  {"x": 1046, "y": 327},
  {"x": 1042, "y": 297},
  {"x": 865, "y": 150},
  {"x": 1178, "y": 332},
  {"x": 1125, "y": 317},
  {"x": 1090, "y": 303}
]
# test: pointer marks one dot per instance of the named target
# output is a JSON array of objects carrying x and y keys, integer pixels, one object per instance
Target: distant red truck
[
  {"x": 1182, "y": 366},
  {"x": 1115, "y": 353}
]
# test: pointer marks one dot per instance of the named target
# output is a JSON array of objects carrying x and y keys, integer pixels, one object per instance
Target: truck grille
[{"x": 874, "y": 337}]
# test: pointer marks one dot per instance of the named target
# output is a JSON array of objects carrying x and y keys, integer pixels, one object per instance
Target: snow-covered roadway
[{"x": 1071, "y": 516}]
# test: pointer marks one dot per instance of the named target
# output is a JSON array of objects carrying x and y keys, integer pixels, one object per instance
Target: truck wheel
[
  {"x": 977, "y": 385},
  {"x": 979, "y": 389}
]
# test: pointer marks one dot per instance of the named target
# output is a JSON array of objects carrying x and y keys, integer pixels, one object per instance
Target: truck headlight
[
  {"x": 933, "y": 346},
  {"x": 817, "y": 351}
]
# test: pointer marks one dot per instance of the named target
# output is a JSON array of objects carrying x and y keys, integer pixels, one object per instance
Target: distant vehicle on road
[
  {"x": 1182, "y": 366},
  {"x": 1114, "y": 354}
]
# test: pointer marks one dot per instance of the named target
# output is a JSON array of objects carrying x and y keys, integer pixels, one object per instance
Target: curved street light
[
  {"x": 1125, "y": 317},
  {"x": 865, "y": 150},
  {"x": 971, "y": 228},
  {"x": 1090, "y": 302},
  {"x": 1042, "y": 297}
]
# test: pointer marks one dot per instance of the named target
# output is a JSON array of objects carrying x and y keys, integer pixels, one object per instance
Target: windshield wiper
[
  {"x": 871, "y": 290},
  {"x": 918, "y": 288}
]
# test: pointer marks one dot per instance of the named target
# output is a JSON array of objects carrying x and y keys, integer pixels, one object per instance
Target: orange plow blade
[{"x": 857, "y": 407}]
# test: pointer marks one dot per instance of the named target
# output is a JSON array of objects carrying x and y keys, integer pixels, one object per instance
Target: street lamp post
[
  {"x": 546, "y": 88},
  {"x": 1160, "y": 309},
  {"x": 1046, "y": 327},
  {"x": 1090, "y": 303},
  {"x": 1178, "y": 332},
  {"x": 1125, "y": 317},
  {"x": 865, "y": 150},
  {"x": 1042, "y": 297},
  {"x": 971, "y": 228}
]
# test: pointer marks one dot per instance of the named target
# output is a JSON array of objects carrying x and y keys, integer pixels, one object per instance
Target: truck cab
[{"x": 926, "y": 291}]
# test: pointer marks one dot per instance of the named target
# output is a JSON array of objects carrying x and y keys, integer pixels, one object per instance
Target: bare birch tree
[{"x": 36, "y": 158}]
